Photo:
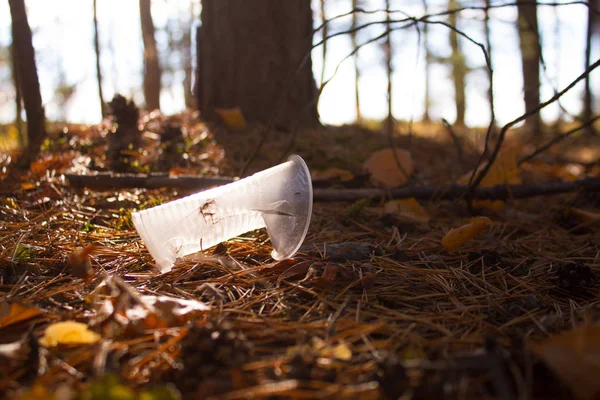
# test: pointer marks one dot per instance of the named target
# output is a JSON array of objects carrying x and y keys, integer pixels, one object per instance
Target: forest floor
[{"x": 372, "y": 306}]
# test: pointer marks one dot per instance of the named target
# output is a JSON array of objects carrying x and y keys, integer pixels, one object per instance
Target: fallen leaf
[
  {"x": 297, "y": 269},
  {"x": 583, "y": 216},
  {"x": 80, "y": 263},
  {"x": 407, "y": 209},
  {"x": 341, "y": 351},
  {"x": 164, "y": 311},
  {"x": 504, "y": 171},
  {"x": 12, "y": 313},
  {"x": 332, "y": 173},
  {"x": 384, "y": 170},
  {"x": 459, "y": 236},
  {"x": 328, "y": 277},
  {"x": 28, "y": 186},
  {"x": 575, "y": 357},
  {"x": 68, "y": 332},
  {"x": 233, "y": 118}
]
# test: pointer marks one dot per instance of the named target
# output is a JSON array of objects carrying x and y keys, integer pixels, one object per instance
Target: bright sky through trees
[{"x": 63, "y": 38}]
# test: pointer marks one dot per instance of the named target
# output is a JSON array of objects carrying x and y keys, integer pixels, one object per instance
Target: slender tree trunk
[
  {"x": 355, "y": 59},
  {"x": 98, "y": 69},
  {"x": 151, "y": 64},
  {"x": 260, "y": 66},
  {"x": 588, "y": 100},
  {"x": 530, "y": 58},
  {"x": 390, "y": 71},
  {"x": 488, "y": 44},
  {"x": 187, "y": 62},
  {"x": 27, "y": 78},
  {"x": 426, "y": 116},
  {"x": 324, "y": 32},
  {"x": 18, "y": 98},
  {"x": 459, "y": 68}
]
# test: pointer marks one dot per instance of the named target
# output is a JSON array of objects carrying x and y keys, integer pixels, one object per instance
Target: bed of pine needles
[{"x": 371, "y": 307}]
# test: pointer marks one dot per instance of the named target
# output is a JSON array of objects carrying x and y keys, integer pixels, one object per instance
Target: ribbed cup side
[{"x": 199, "y": 221}]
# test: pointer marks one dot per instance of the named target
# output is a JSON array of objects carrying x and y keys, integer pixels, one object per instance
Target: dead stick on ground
[{"x": 425, "y": 192}]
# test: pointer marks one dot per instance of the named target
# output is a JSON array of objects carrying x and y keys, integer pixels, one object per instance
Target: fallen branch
[
  {"x": 452, "y": 192},
  {"x": 426, "y": 192},
  {"x": 122, "y": 181}
]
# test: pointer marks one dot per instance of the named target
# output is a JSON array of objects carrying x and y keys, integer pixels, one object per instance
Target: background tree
[
  {"x": 425, "y": 33},
  {"x": 459, "y": 67},
  {"x": 355, "y": 60},
  {"x": 18, "y": 99},
  {"x": 97, "y": 50},
  {"x": 256, "y": 65},
  {"x": 151, "y": 64},
  {"x": 27, "y": 78},
  {"x": 592, "y": 25},
  {"x": 530, "y": 58}
]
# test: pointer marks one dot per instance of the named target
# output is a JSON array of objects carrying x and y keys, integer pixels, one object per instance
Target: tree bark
[
  {"x": 18, "y": 98},
  {"x": 256, "y": 55},
  {"x": 151, "y": 65},
  {"x": 355, "y": 60},
  {"x": 98, "y": 69},
  {"x": 187, "y": 62},
  {"x": 325, "y": 33},
  {"x": 28, "y": 78},
  {"x": 459, "y": 68},
  {"x": 426, "y": 116},
  {"x": 588, "y": 99},
  {"x": 488, "y": 45},
  {"x": 530, "y": 57}
]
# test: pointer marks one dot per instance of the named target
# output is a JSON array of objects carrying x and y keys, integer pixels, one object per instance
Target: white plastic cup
[{"x": 279, "y": 198}]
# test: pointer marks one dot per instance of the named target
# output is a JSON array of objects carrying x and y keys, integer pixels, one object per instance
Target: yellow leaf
[
  {"x": 407, "y": 209},
  {"x": 332, "y": 173},
  {"x": 341, "y": 351},
  {"x": 28, "y": 186},
  {"x": 504, "y": 171},
  {"x": 233, "y": 118},
  {"x": 575, "y": 357},
  {"x": 459, "y": 236},
  {"x": 384, "y": 170},
  {"x": 11, "y": 314},
  {"x": 68, "y": 332}
]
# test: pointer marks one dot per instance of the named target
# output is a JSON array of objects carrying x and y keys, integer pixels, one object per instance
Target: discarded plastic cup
[{"x": 279, "y": 199}]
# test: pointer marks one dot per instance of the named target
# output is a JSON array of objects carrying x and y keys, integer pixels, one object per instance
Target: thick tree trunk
[
  {"x": 251, "y": 55},
  {"x": 355, "y": 60},
  {"x": 151, "y": 64},
  {"x": 97, "y": 49},
  {"x": 28, "y": 78},
  {"x": 530, "y": 58},
  {"x": 459, "y": 68}
]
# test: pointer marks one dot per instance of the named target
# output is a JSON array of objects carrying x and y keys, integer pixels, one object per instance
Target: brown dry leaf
[
  {"x": 384, "y": 170},
  {"x": 164, "y": 311},
  {"x": 504, "y": 171},
  {"x": 300, "y": 268},
  {"x": 68, "y": 332},
  {"x": 407, "y": 209},
  {"x": 233, "y": 118},
  {"x": 328, "y": 276},
  {"x": 584, "y": 216},
  {"x": 11, "y": 314},
  {"x": 80, "y": 263},
  {"x": 459, "y": 236},
  {"x": 332, "y": 173},
  {"x": 575, "y": 357}
]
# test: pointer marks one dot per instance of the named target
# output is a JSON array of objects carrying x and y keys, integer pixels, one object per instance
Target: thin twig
[
  {"x": 523, "y": 117},
  {"x": 556, "y": 140}
]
